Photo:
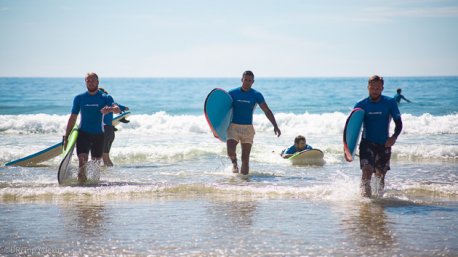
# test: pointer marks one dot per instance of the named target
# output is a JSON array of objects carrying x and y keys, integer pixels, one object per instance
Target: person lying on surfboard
[{"x": 300, "y": 144}]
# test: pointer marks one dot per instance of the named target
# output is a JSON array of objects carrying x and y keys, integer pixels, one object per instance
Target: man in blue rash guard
[
  {"x": 241, "y": 128},
  {"x": 375, "y": 146},
  {"x": 93, "y": 105},
  {"x": 398, "y": 96},
  {"x": 109, "y": 132},
  {"x": 300, "y": 144}
]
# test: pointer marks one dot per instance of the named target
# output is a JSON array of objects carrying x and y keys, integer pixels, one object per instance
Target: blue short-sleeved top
[
  {"x": 377, "y": 118},
  {"x": 244, "y": 103},
  {"x": 90, "y": 106}
]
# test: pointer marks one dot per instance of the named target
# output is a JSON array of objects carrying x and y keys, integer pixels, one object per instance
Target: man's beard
[{"x": 93, "y": 91}]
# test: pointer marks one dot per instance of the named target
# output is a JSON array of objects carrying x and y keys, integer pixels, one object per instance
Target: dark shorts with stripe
[
  {"x": 376, "y": 155},
  {"x": 90, "y": 142},
  {"x": 109, "y": 136}
]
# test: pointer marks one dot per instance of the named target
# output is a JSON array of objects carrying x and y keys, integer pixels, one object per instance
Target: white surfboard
[
  {"x": 308, "y": 157},
  {"x": 62, "y": 173}
]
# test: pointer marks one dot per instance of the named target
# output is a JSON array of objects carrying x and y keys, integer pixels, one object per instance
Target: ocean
[{"x": 171, "y": 191}]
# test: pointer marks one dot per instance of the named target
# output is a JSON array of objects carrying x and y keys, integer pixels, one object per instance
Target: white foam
[
  {"x": 428, "y": 124},
  {"x": 164, "y": 137},
  {"x": 163, "y": 123},
  {"x": 340, "y": 188},
  {"x": 33, "y": 124}
]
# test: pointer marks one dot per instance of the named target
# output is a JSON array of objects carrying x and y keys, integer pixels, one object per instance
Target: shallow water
[
  {"x": 171, "y": 191},
  {"x": 177, "y": 210}
]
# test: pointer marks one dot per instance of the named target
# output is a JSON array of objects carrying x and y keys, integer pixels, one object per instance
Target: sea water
[{"x": 171, "y": 191}]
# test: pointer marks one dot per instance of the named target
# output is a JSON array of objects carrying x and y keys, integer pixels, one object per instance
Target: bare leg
[
  {"x": 366, "y": 190},
  {"x": 380, "y": 174},
  {"x": 231, "y": 146},
  {"x": 106, "y": 160},
  {"x": 246, "y": 150},
  {"x": 82, "y": 159}
]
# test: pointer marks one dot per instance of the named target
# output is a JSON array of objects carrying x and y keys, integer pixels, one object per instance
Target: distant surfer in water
[
  {"x": 109, "y": 131},
  {"x": 300, "y": 144},
  {"x": 375, "y": 146},
  {"x": 241, "y": 128},
  {"x": 93, "y": 105},
  {"x": 398, "y": 96}
]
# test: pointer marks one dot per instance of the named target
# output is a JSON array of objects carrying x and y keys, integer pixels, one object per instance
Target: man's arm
[
  {"x": 123, "y": 108},
  {"x": 397, "y": 131},
  {"x": 405, "y": 98},
  {"x": 271, "y": 118},
  {"x": 286, "y": 156},
  {"x": 114, "y": 109}
]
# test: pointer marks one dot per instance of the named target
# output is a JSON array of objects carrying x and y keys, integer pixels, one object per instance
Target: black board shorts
[
  {"x": 109, "y": 136},
  {"x": 376, "y": 155},
  {"x": 90, "y": 142}
]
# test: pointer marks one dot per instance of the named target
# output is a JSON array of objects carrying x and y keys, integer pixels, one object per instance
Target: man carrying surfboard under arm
[
  {"x": 375, "y": 146},
  {"x": 241, "y": 128},
  {"x": 93, "y": 105}
]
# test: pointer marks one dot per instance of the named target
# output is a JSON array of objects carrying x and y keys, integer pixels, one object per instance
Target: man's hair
[
  {"x": 90, "y": 74},
  {"x": 103, "y": 90},
  {"x": 249, "y": 73},
  {"x": 298, "y": 139},
  {"x": 375, "y": 78},
  {"x": 399, "y": 90}
]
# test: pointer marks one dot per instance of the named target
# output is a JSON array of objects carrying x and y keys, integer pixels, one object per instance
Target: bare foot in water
[{"x": 82, "y": 175}]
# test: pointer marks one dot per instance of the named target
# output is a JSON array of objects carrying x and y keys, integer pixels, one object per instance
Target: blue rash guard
[
  {"x": 244, "y": 103},
  {"x": 292, "y": 149},
  {"x": 90, "y": 106},
  {"x": 377, "y": 117}
]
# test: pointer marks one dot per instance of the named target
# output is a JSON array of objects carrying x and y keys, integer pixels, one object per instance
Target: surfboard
[
  {"x": 312, "y": 156},
  {"x": 116, "y": 120},
  {"x": 218, "y": 112},
  {"x": 41, "y": 156},
  {"x": 67, "y": 155},
  {"x": 352, "y": 133}
]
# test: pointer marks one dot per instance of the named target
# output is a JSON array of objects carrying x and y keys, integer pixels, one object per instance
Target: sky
[{"x": 200, "y": 38}]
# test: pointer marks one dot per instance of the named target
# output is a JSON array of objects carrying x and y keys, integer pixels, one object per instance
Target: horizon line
[{"x": 231, "y": 77}]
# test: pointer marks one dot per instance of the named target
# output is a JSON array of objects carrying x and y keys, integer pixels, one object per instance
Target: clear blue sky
[{"x": 180, "y": 38}]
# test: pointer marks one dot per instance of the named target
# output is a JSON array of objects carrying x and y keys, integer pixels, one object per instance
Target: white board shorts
[{"x": 241, "y": 133}]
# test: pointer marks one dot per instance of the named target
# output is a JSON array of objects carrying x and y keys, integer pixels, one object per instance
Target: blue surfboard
[
  {"x": 41, "y": 156},
  {"x": 116, "y": 120},
  {"x": 352, "y": 133},
  {"x": 218, "y": 112}
]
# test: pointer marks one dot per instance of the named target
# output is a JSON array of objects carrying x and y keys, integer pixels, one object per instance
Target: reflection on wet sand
[
  {"x": 86, "y": 219},
  {"x": 233, "y": 213},
  {"x": 366, "y": 225}
]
